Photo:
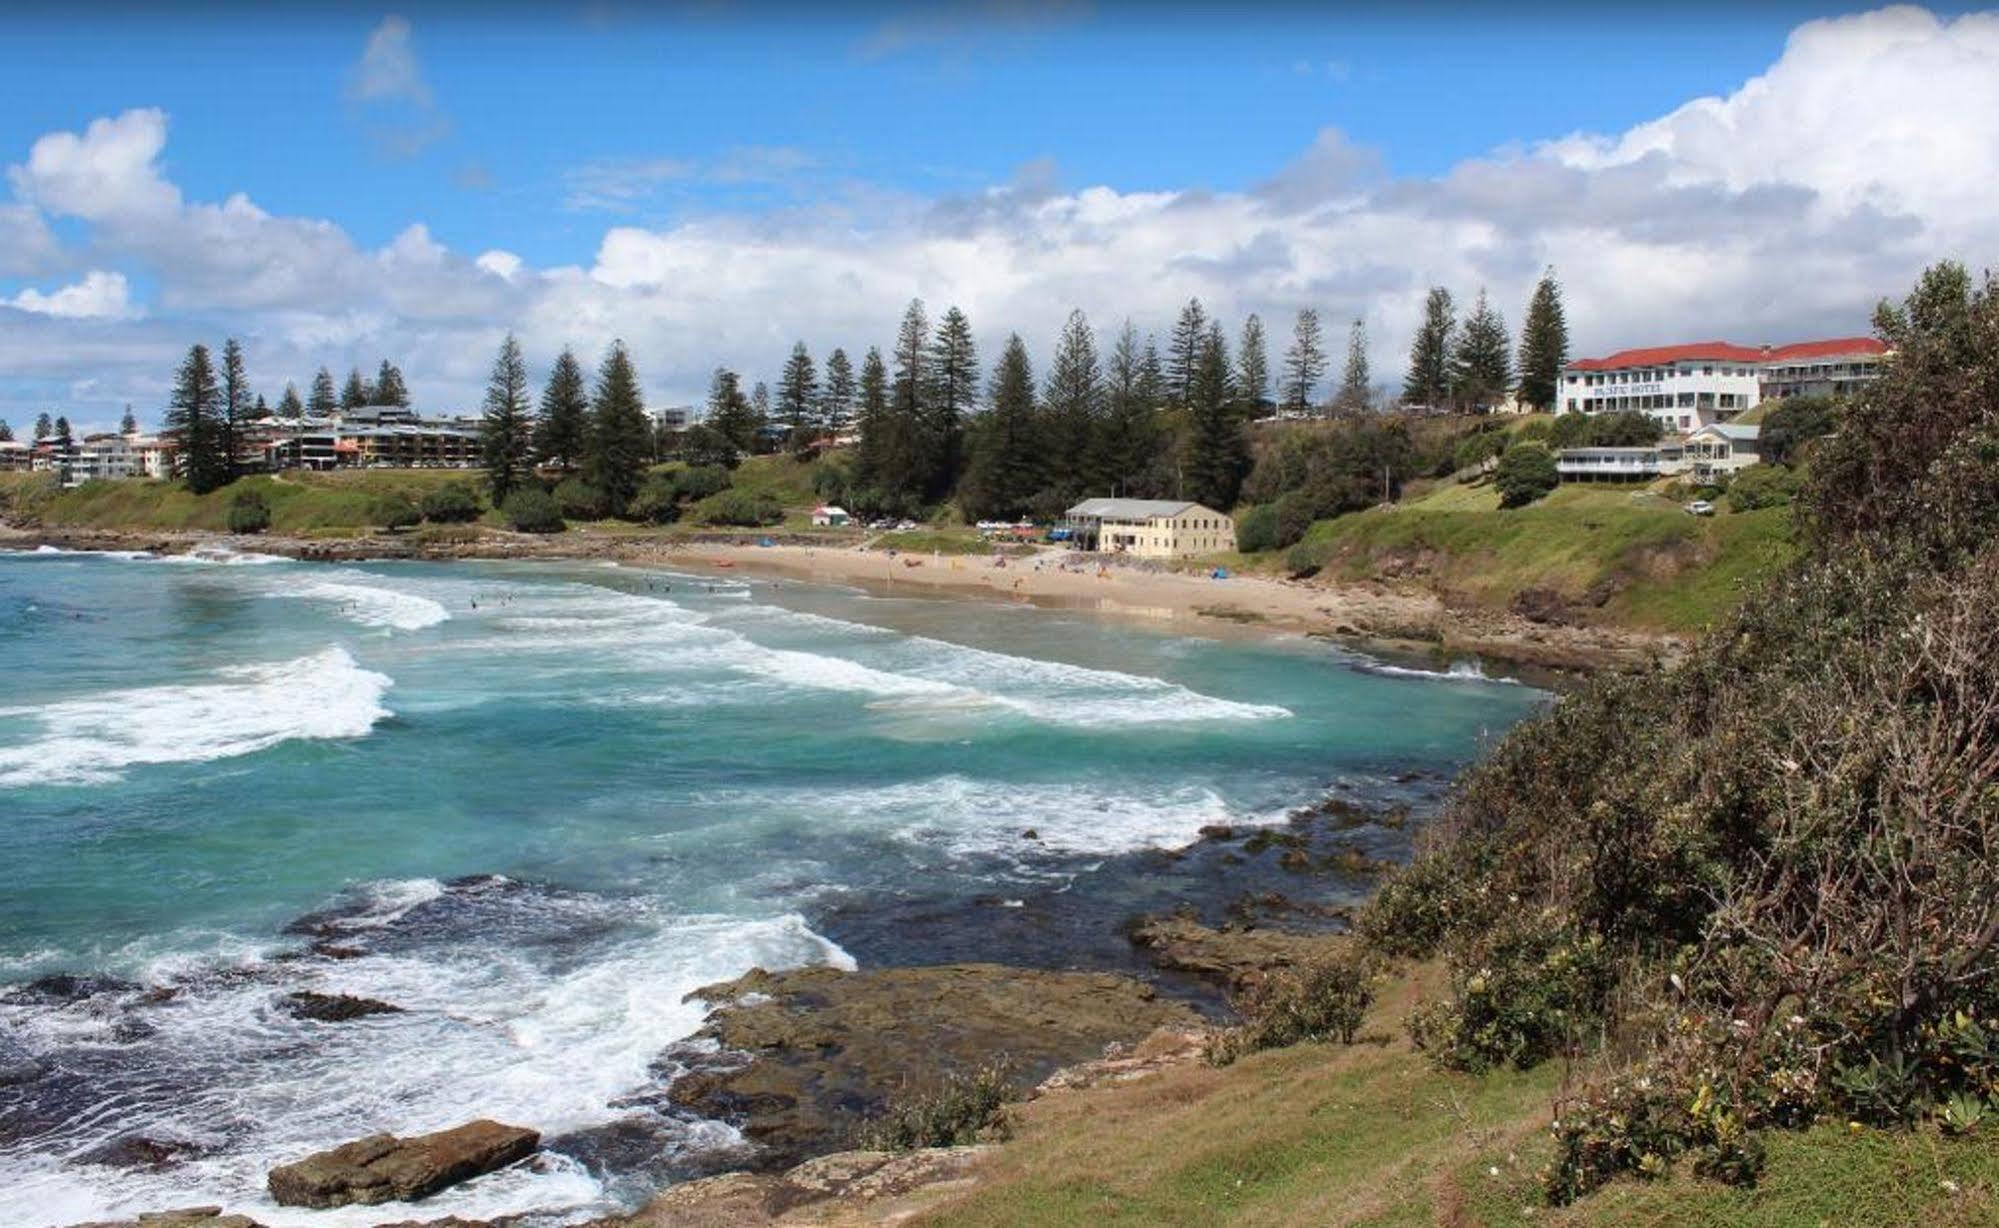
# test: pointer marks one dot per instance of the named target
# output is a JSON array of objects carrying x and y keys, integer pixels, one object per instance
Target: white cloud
[
  {"x": 620, "y": 185},
  {"x": 388, "y": 71},
  {"x": 1781, "y": 210},
  {"x": 27, "y": 245},
  {"x": 99, "y": 296}
]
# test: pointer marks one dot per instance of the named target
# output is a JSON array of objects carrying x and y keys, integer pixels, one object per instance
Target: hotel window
[{"x": 1707, "y": 370}]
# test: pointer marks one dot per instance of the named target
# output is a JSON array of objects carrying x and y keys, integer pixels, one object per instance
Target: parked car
[{"x": 1701, "y": 507}]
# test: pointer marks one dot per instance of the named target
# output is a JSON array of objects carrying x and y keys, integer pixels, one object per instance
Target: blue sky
[{"x": 647, "y": 147}]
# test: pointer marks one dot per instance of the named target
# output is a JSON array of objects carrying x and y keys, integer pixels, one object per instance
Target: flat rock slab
[
  {"x": 335, "y": 1007},
  {"x": 848, "y": 1187},
  {"x": 187, "y": 1217},
  {"x": 384, "y": 1168},
  {"x": 809, "y": 1054}
]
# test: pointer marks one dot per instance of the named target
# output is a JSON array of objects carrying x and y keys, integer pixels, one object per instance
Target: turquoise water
[{"x": 535, "y": 805}]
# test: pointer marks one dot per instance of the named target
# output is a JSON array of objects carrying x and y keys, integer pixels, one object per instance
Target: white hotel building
[{"x": 1690, "y": 386}]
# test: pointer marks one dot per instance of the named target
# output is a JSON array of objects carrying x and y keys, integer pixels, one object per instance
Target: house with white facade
[
  {"x": 1720, "y": 449},
  {"x": 1689, "y": 386}
]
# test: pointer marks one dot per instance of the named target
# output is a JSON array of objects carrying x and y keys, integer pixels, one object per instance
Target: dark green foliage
[
  {"x": 704, "y": 446},
  {"x": 1625, "y": 429},
  {"x": 1217, "y": 446},
  {"x": 1356, "y": 388},
  {"x": 1481, "y": 367},
  {"x": 1183, "y": 352},
  {"x": 1477, "y": 448},
  {"x": 1324, "y": 1001},
  {"x": 43, "y": 424},
  {"x": 506, "y": 434},
  {"x": 127, "y": 425},
  {"x": 730, "y": 416},
  {"x": 749, "y": 510},
  {"x": 836, "y": 395},
  {"x": 1304, "y": 362},
  {"x": 289, "y": 406},
  {"x": 530, "y": 509},
  {"x": 452, "y": 503},
  {"x": 1791, "y": 424},
  {"x": 969, "y": 1108},
  {"x": 1544, "y": 344},
  {"x": 1526, "y": 472},
  {"x": 194, "y": 413},
  {"x": 579, "y": 499},
  {"x": 1354, "y": 465},
  {"x": 356, "y": 392},
  {"x": 1256, "y": 529},
  {"x": 1006, "y": 463},
  {"x": 389, "y": 387},
  {"x": 700, "y": 481},
  {"x": 1525, "y": 989},
  {"x": 562, "y": 431},
  {"x": 1130, "y": 444},
  {"x": 249, "y": 512},
  {"x": 6, "y": 432},
  {"x": 658, "y": 500},
  {"x": 1428, "y": 382},
  {"x": 1252, "y": 365},
  {"x": 1761, "y": 486},
  {"x": 323, "y": 400},
  {"x": 798, "y": 397},
  {"x": 620, "y": 442},
  {"x": 951, "y": 395},
  {"x": 1072, "y": 412},
  {"x": 394, "y": 510}
]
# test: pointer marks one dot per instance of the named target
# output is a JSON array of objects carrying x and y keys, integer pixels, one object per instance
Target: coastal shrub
[
  {"x": 702, "y": 446},
  {"x": 1526, "y": 472},
  {"x": 1760, "y": 885},
  {"x": 1792, "y": 424},
  {"x": 451, "y": 503},
  {"x": 531, "y": 509},
  {"x": 697, "y": 482},
  {"x": 1324, "y": 1001},
  {"x": 1761, "y": 486},
  {"x": 1256, "y": 529},
  {"x": 969, "y": 1107},
  {"x": 1351, "y": 465},
  {"x": 657, "y": 502},
  {"x": 736, "y": 507},
  {"x": 1307, "y": 557},
  {"x": 394, "y": 510},
  {"x": 577, "y": 499},
  {"x": 1474, "y": 450},
  {"x": 249, "y": 512}
]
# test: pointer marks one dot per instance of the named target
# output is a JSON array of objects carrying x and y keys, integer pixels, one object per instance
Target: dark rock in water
[
  {"x": 1237, "y": 959},
  {"x": 186, "y": 1217},
  {"x": 335, "y": 1007},
  {"x": 650, "y": 1149},
  {"x": 334, "y": 950},
  {"x": 139, "y": 1151},
  {"x": 816, "y": 1051},
  {"x": 384, "y": 1168},
  {"x": 1218, "y": 831},
  {"x": 65, "y": 987},
  {"x": 1030, "y": 834}
]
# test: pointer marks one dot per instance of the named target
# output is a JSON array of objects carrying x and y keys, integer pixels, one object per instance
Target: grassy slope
[
  {"x": 301, "y": 503},
  {"x": 1675, "y": 572},
  {"x": 1372, "y": 1134}
]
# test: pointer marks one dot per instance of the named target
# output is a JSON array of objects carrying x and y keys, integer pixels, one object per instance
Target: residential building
[
  {"x": 1720, "y": 449},
  {"x": 1690, "y": 386},
  {"x": 829, "y": 515},
  {"x": 1149, "y": 528},
  {"x": 16, "y": 456},
  {"x": 104, "y": 458},
  {"x": 1621, "y": 464}
]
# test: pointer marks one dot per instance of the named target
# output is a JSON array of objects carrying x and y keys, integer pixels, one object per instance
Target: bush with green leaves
[
  {"x": 394, "y": 510},
  {"x": 968, "y": 1108},
  {"x": 1323, "y": 1001},
  {"x": 741, "y": 508},
  {"x": 1525, "y": 990},
  {"x": 1761, "y": 486},
  {"x": 577, "y": 499},
  {"x": 1256, "y": 529},
  {"x": 658, "y": 500},
  {"x": 1475, "y": 449},
  {"x": 452, "y": 503},
  {"x": 531, "y": 509},
  {"x": 698, "y": 482},
  {"x": 1526, "y": 472},
  {"x": 249, "y": 512}
]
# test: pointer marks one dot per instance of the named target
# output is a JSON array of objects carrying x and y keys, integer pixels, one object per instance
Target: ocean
[{"x": 535, "y": 804}]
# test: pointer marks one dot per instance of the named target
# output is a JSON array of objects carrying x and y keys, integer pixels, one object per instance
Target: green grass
[
  {"x": 937, "y": 541},
  {"x": 302, "y": 503},
  {"x": 1665, "y": 570},
  {"x": 1373, "y": 1134}
]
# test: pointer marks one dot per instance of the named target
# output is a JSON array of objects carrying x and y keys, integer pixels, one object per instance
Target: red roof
[{"x": 1726, "y": 351}]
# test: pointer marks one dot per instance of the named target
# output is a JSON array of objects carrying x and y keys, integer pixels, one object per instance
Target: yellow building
[{"x": 1150, "y": 528}]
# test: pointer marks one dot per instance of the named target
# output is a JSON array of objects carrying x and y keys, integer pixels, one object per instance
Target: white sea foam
[
  {"x": 247, "y": 709},
  {"x": 222, "y": 556},
  {"x": 1457, "y": 671},
  {"x": 371, "y": 606},
  {"x": 488, "y": 1029}
]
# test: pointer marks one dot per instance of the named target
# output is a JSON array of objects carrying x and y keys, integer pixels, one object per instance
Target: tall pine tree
[
  {"x": 1429, "y": 380},
  {"x": 44, "y": 424},
  {"x": 1007, "y": 463},
  {"x": 389, "y": 386},
  {"x": 238, "y": 409},
  {"x": 562, "y": 429},
  {"x": 1252, "y": 365},
  {"x": 6, "y": 432},
  {"x": 1183, "y": 351},
  {"x": 836, "y": 395},
  {"x": 355, "y": 393},
  {"x": 1217, "y": 457},
  {"x": 1544, "y": 344},
  {"x": 506, "y": 433},
  {"x": 620, "y": 442},
  {"x": 289, "y": 406},
  {"x": 1482, "y": 367},
  {"x": 872, "y": 420},
  {"x": 1356, "y": 386},
  {"x": 129, "y": 424},
  {"x": 952, "y": 375},
  {"x": 1304, "y": 362},
  {"x": 324, "y": 400},
  {"x": 1072, "y": 407},
  {"x": 798, "y": 397},
  {"x": 905, "y": 456},
  {"x": 1130, "y": 443},
  {"x": 194, "y": 417},
  {"x": 731, "y": 416}
]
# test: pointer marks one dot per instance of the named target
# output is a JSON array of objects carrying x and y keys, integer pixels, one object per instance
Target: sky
[{"x": 336, "y": 184}]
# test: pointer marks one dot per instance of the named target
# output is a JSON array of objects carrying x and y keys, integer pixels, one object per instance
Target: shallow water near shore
[{"x": 534, "y": 804}]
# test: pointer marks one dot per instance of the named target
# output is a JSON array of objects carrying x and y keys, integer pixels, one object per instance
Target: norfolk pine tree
[
  {"x": 323, "y": 400},
  {"x": 836, "y": 395},
  {"x": 43, "y": 424},
  {"x": 953, "y": 380},
  {"x": 127, "y": 425},
  {"x": 1429, "y": 380},
  {"x": 904, "y": 454},
  {"x": 1356, "y": 387},
  {"x": 6, "y": 432},
  {"x": 872, "y": 419},
  {"x": 1544, "y": 344},
  {"x": 620, "y": 442},
  {"x": 289, "y": 406},
  {"x": 1129, "y": 444},
  {"x": 1304, "y": 362},
  {"x": 1183, "y": 351},
  {"x": 1252, "y": 366},
  {"x": 506, "y": 434},
  {"x": 1217, "y": 445},
  {"x": 193, "y": 414},
  {"x": 730, "y": 414},
  {"x": 389, "y": 386},
  {"x": 355, "y": 392},
  {"x": 237, "y": 407},
  {"x": 1006, "y": 469},
  {"x": 1072, "y": 406},
  {"x": 798, "y": 397},
  {"x": 1482, "y": 367},
  {"x": 562, "y": 429}
]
